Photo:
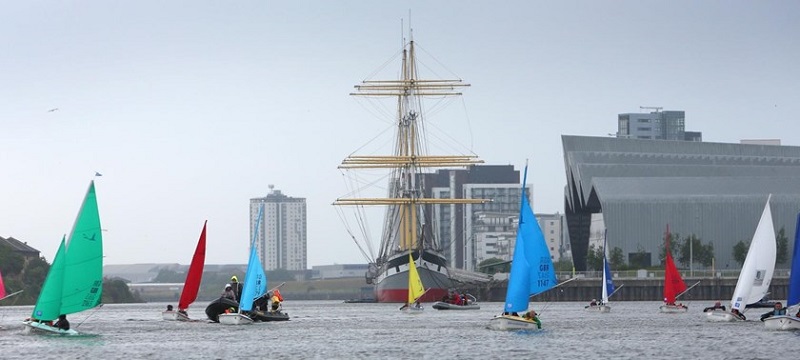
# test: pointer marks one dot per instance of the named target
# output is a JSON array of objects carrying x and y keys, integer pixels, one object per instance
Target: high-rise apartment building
[
  {"x": 552, "y": 226},
  {"x": 281, "y": 241},
  {"x": 656, "y": 125}
]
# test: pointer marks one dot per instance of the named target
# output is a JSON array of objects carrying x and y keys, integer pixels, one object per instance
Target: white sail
[
  {"x": 759, "y": 265},
  {"x": 606, "y": 276}
]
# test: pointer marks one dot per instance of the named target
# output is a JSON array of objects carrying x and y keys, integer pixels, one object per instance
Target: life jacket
[{"x": 277, "y": 294}]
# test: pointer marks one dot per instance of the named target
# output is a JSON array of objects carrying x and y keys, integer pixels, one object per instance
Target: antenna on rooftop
[{"x": 656, "y": 108}]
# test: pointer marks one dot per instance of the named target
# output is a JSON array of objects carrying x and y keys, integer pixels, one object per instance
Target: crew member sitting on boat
[
  {"x": 169, "y": 308},
  {"x": 738, "y": 314},
  {"x": 456, "y": 299},
  {"x": 48, "y": 323},
  {"x": 228, "y": 292},
  {"x": 672, "y": 303},
  {"x": 532, "y": 316},
  {"x": 62, "y": 322},
  {"x": 593, "y": 303},
  {"x": 717, "y": 306},
  {"x": 778, "y": 310},
  {"x": 277, "y": 299},
  {"x": 237, "y": 288}
]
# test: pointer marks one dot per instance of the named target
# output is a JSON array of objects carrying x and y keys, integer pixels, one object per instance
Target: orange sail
[{"x": 673, "y": 283}]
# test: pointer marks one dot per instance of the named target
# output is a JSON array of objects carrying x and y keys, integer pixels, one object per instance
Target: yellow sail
[{"x": 415, "y": 288}]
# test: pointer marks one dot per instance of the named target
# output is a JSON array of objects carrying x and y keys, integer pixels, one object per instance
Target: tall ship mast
[{"x": 407, "y": 222}]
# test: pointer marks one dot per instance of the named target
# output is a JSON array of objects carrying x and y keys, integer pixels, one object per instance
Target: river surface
[{"x": 335, "y": 330}]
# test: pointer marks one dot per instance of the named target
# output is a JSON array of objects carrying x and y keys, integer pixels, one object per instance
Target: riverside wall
[{"x": 633, "y": 289}]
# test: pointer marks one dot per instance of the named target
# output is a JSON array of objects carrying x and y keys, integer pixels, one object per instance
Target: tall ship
[{"x": 407, "y": 220}]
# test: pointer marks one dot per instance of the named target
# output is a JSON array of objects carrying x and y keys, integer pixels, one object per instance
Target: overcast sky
[{"x": 191, "y": 108}]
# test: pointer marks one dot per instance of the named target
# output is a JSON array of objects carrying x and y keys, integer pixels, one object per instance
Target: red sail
[
  {"x": 195, "y": 274},
  {"x": 2, "y": 287},
  {"x": 673, "y": 284}
]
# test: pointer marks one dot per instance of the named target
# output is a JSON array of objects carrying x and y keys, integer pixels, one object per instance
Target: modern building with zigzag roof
[{"x": 715, "y": 191}]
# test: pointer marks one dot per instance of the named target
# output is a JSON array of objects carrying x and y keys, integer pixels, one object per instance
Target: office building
[{"x": 656, "y": 125}]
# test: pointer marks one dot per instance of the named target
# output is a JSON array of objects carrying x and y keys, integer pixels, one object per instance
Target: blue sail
[
  {"x": 532, "y": 270},
  {"x": 794, "y": 277},
  {"x": 255, "y": 279},
  {"x": 608, "y": 283}
]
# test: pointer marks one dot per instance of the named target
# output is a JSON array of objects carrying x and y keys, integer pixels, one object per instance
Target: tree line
[
  {"x": 28, "y": 274},
  {"x": 683, "y": 250}
]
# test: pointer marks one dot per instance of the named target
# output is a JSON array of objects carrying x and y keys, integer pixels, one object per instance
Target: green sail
[
  {"x": 48, "y": 306},
  {"x": 83, "y": 271}
]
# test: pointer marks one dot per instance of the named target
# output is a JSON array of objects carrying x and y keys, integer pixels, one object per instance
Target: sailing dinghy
[
  {"x": 673, "y": 283},
  {"x": 255, "y": 284},
  {"x": 415, "y": 289},
  {"x": 532, "y": 270},
  {"x": 608, "y": 284},
  {"x": 192, "y": 284},
  {"x": 757, "y": 270},
  {"x": 789, "y": 322},
  {"x": 74, "y": 282}
]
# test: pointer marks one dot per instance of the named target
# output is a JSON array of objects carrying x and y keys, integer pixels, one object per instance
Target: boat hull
[
  {"x": 391, "y": 284},
  {"x": 35, "y": 327},
  {"x": 782, "y": 322},
  {"x": 761, "y": 304},
  {"x": 598, "y": 308},
  {"x": 235, "y": 319},
  {"x": 673, "y": 309},
  {"x": 269, "y": 316},
  {"x": 720, "y": 316},
  {"x": 413, "y": 310},
  {"x": 509, "y": 322},
  {"x": 218, "y": 307},
  {"x": 174, "y": 316},
  {"x": 439, "y": 305}
]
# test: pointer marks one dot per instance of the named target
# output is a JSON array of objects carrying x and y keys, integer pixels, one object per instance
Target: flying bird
[{"x": 53, "y": 109}]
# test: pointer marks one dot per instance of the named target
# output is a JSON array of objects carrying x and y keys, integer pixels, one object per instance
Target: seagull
[{"x": 51, "y": 110}]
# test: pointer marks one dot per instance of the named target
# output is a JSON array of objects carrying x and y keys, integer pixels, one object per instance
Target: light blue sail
[
  {"x": 532, "y": 269},
  {"x": 794, "y": 277},
  {"x": 255, "y": 280}
]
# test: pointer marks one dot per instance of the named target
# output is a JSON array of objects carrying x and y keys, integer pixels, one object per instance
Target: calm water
[{"x": 334, "y": 330}]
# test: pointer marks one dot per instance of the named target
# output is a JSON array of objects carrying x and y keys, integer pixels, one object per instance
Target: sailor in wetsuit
[
  {"x": 62, "y": 322},
  {"x": 717, "y": 306},
  {"x": 778, "y": 310}
]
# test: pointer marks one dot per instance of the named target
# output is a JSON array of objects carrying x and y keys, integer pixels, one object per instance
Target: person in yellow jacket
[{"x": 276, "y": 300}]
